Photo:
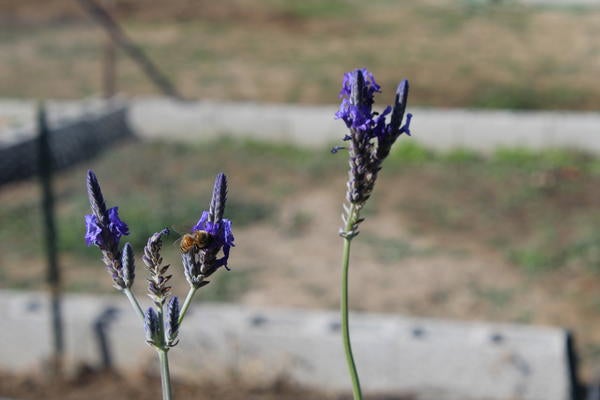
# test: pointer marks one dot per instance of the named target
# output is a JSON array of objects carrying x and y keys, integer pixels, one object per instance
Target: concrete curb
[
  {"x": 439, "y": 359},
  {"x": 314, "y": 126}
]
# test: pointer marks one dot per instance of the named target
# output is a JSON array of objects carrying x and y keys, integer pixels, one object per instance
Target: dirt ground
[
  {"x": 455, "y": 53},
  {"x": 96, "y": 385},
  {"x": 473, "y": 239}
]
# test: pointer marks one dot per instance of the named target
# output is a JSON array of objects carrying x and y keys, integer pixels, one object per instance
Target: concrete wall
[
  {"x": 160, "y": 118},
  {"x": 435, "y": 359},
  {"x": 315, "y": 126}
]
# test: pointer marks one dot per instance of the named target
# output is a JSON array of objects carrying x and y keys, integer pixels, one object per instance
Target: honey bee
[{"x": 197, "y": 239}]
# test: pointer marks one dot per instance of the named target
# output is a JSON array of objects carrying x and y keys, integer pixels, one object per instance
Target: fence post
[
  {"x": 135, "y": 52},
  {"x": 45, "y": 167}
]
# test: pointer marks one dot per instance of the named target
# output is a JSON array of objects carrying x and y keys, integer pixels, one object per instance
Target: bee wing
[{"x": 177, "y": 234}]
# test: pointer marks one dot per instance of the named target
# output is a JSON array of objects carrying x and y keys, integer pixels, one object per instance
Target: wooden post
[
  {"x": 45, "y": 166},
  {"x": 135, "y": 52}
]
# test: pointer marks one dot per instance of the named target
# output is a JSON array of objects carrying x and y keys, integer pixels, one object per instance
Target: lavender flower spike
[
  {"x": 152, "y": 328},
  {"x": 157, "y": 283},
  {"x": 104, "y": 229},
  {"x": 370, "y": 139},
  {"x": 128, "y": 263},
  {"x": 172, "y": 322},
  {"x": 205, "y": 256},
  {"x": 389, "y": 135},
  {"x": 219, "y": 197},
  {"x": 96, "y": 198}
]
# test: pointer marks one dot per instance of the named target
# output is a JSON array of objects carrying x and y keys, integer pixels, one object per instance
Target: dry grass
[{"x": 455, "y": 53}]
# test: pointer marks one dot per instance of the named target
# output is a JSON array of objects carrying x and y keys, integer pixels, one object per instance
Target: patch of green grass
[
  {"x": 407, "y": 151},
  {"x": 526, "y": 97},
  {"x": 390, "y": 251},
  {"x": 528, "y": 159},
  {"x": 246, "y": 213},
  {"x": 519, "y": 157},
  {"x": 226, "y": 287},
  {"x": 537, "y": 258},
  {"x": 27, "y": 284},
  {"x": 21, "y": 228},
  {"x": 529, "y": 204},
  {"x": 447, "y": 20},
  {"x": 273, "y": 154},
  {"x": 586, "y": 249},
  {"x": 315, "y": 8},
  {"x": 497, "y": 297},
  {"x": 556, "y": 158},
  {"x": 524, "y": 317},
  {"x": 461, "y": 156},
  {"x": 549, "y": 253},
  {"x": 56, "y": 51}
]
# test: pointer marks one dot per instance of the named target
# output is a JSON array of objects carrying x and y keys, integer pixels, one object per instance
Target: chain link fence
[{"x": 70, "y": 142}]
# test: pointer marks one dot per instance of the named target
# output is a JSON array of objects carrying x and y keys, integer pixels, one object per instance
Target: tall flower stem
[
  {"x": 165, "y": 378},
  {"x": 186, "y": 303},
  {"x": 356, "y": 391},
  {"x": 134, "y": 303}
]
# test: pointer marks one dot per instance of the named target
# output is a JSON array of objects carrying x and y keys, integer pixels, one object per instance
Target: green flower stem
[
  {"x": 134, "y": 303},
  {"x": 186, "y": 303},
  {"x": 165, "y": 378},
  {"x": 356, "y": 391}
]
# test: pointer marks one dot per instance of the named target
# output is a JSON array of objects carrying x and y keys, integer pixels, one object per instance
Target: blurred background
[{"x": 509, "y": 235}]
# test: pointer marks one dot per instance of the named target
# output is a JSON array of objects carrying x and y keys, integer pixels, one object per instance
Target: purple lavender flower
[
  {"x": 370, "y": 85},
  {"x": 221, "y": 235},
  {"x": 202, "y": 261},
  {"x": 358, "y": 90},
  {"x": 104, "y": 229},
  {"x": 370, "y": 138},
  {"x": 101, "y": 235}
]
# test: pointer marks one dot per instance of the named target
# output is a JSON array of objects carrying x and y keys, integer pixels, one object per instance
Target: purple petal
[
  {"x": 379, "y": 128},
  {"x": 202, "y": 222},
  {"x": 117, "y": 227},
  {"x": 406, "y": 127},
  {"x": 355, "y": 107},
  {"x": 93, "y": 231}
]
